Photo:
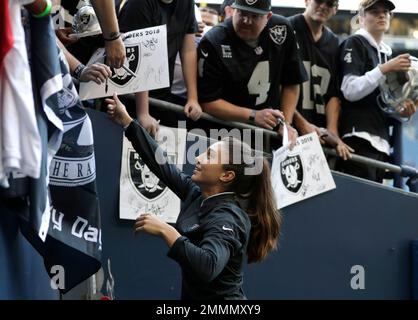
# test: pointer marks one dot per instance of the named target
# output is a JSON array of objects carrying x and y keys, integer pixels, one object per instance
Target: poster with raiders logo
[
  {"x": 300, "y": 173},
  {"x": 140, "y": 190},
  {"x": 145, "y": 67}
]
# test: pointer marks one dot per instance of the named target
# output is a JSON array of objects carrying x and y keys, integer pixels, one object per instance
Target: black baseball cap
[
  {"x": 255, "y": 6},
  {"x": 367, "y": 4}
]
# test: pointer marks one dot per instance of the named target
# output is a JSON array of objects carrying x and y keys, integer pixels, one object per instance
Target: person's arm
[
  {"x": 115, "y": 49},
  {"x": 153, "y": 225},
  {"x": 73, "y": 62},
  {"x": 96, "y": 72},
  {"x": 188, "y": 56},
  {"x": 207, "y": 260},
  {"x": 302, "y": 125},
  {"x": 142, "y": 113},
  {"x": 356, "y": 88},
  {"x": 332, "y": 113},
  {"x": 290, "y": 96},
  {"x": 63, "y": 34},
  {"x": 289, "y": 100},
  {"x": 225, "y": 110},
  {"x": 222, "y": 109},
  {"x": 151, "y": 153},
  {"x": 156, "y": 160},
  {"x": 358, "y": 82}
]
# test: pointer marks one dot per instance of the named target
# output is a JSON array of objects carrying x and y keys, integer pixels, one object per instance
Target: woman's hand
[
  {"x": 153, "y": 225},
  {"x": 150, "y": 224},
  {"x": 117, "y": 111}
]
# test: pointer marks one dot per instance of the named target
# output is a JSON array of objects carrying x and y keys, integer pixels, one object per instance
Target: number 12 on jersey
[{"x": 319, "y": 89}]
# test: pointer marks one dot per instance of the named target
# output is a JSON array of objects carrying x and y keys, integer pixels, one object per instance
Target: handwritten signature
[{"x": 150, "y": 44}]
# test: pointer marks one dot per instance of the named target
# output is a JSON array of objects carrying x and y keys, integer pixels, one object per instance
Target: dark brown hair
[{"x": 252, "y": 183}]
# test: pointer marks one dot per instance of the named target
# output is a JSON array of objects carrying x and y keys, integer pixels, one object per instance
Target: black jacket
[{"x": 215, "y": 231}]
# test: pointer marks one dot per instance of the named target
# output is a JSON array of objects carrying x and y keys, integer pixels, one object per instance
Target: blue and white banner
[{"x": 63, "y": 222}]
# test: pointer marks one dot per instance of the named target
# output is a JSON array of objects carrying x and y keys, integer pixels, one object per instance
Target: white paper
[
  {"x": 140, "y": 190},
  {"x": 300, "y": 173},
  {"x": 146, "y": 57}
]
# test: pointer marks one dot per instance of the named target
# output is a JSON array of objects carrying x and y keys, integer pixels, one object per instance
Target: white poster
[
  {"x": 140, "y": 190},
  {"x": 145, "y": 67},
  {"x": 300, "y": 173}
]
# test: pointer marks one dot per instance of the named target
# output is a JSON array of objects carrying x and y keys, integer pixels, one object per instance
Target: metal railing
[{"x": 403, "y": 170}]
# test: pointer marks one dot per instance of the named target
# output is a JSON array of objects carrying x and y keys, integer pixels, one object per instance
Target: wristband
[
  {"x": 117, "y": 36},
  {"x": 46, "y": 12},
  {"x": 251, "y": 118},
  {"x": 78, "y": 71}
]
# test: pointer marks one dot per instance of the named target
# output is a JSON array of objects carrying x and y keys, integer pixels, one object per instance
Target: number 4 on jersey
[{"x": 259, "y": 83}]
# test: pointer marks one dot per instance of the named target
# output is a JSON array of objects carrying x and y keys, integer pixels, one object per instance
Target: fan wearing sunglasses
[{"x": 318, "y": 106}]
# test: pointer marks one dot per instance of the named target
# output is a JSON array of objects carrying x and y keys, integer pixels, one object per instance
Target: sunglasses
[{"x": 329, "y": 3}]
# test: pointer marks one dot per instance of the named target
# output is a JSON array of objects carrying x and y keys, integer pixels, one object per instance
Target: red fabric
[{"x": 6, "y": 35}]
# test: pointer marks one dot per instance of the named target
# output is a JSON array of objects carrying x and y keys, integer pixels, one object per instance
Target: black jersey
[
  {"x": 320, "y": 59},
  {"x": 232, "y": 70},
  {"x": 356, "y": 58},
  {"x": 178, "y": 16}
]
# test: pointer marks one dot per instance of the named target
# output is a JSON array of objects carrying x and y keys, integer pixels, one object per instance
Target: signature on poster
[{"x": 150, "y": 44}]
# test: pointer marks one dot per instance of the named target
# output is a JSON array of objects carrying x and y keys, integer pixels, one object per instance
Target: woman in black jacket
[{"x": 228, "y": 211}]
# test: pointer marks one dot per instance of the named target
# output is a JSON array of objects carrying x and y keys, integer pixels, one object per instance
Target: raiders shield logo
[
  {"x": 291, "y": 170},
  {"x": 85, "y": 19},
  {"x": 278, "y": 34},
  {"x": 250, "y": 2},
  {"x": 146, "y": 183},
  {"x": 120, "y": 76}
]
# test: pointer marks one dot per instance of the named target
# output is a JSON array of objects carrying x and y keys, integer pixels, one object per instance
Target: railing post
[{"x": 397, "y": 155}]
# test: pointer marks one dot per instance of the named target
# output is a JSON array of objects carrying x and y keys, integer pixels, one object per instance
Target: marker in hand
[{"x": 129, "y": 71}]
